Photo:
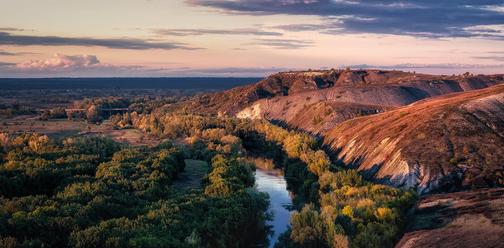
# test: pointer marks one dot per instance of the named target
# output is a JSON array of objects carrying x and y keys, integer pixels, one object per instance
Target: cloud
[
  {"x": 305, "y": 27},
  {"x": 202, "y": 31},
  {"x": 11, "y": 29},
  {"x": 61, "y": 65},
  {"x": 4, "y": 64},
  {"x": 494, "y": 58},
  {"x": 60, "y": 62},
  {"x": 424, "y": 66},
  {"x": 115, "y": 43},
  {"x": 90, "y": 66},
  {"x": 6, "y": 53},
  {"x": 424, "y": 18},
  {"x": 225, "y": 71},
  {"x": 437, "y": 68},
  {"x": 283, "y": 43}
]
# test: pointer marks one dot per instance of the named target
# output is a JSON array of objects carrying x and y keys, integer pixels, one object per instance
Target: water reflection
[{"x": 280, "y": 201}]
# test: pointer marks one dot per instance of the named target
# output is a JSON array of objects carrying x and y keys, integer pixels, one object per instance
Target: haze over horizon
[{"x": 156, "y": 38}]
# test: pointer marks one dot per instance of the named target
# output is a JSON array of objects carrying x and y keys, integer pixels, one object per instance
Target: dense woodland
[
  {"x": 337, "y": 207},
  {"x": 94, "y": 192}
]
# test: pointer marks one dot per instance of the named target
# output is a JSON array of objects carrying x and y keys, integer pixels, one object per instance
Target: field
[
  {"x": 52, "y": 128},
  {"x": 60, "y": 128},
  {"x": 22, "y": 102}
]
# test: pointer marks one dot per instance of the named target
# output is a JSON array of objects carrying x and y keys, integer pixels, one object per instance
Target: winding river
[{"x": 280, "y": 201}]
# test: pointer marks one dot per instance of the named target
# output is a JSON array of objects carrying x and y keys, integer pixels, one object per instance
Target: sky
[{"x": 237, "y": 38}]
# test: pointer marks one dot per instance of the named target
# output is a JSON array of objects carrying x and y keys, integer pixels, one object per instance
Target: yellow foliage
[
  {"x": 364, "y": 203},
  {"x": 377, "y": 188},
  {"x": 4, "y": 140},
  {"x": 230, "y": 139},
  {"x": 191, "y": 140},
  {"x": 348, "y": 211},
  {"x": 213, "y": 134},
  {"x": 351, "y": 191},
  {"x": 37, "y": 142},
  {"x": 384, "y": 214},
  {"x": 329, "y": 212}
]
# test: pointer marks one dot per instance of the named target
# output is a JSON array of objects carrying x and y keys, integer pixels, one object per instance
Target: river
[{"x": 280, "y": 201}]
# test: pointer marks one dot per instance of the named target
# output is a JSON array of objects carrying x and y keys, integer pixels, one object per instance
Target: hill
[
  {"x": 463, "y": 219},
  {"x": 297, "y": 97},
  {"x": 445, "y": 143}
]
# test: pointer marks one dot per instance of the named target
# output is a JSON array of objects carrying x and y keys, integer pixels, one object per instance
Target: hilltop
[{"x": 285, "y": 96}]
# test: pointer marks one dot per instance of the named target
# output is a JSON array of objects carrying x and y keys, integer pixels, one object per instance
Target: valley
[
  {"x": 361, "y": 158},
  {"x": 251, "y": 124}
]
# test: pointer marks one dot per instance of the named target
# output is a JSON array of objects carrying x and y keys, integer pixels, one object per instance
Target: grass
[
  {"x": 191, "y": 177},
  {"x": 60, "y": 128}
]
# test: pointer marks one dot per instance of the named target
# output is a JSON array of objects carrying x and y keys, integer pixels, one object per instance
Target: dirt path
[{"x": 194, "y": 171}]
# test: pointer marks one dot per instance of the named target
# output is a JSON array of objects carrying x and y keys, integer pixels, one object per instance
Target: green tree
[{"x": 308, "y": 228}]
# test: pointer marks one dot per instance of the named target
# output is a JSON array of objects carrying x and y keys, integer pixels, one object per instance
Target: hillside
[
  {"x": 446, "y": 143},
  {"x": 463, "y": 219},
  {"x": 292, "y": 97},
  {"x": 322, "y": 116}
]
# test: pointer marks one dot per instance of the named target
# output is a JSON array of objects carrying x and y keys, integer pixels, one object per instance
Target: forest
[
  {"x": 91, "y": 191},
  {"x": 336, "y": 206}
]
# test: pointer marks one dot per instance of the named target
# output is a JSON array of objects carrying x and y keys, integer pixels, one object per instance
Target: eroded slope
[
  {"x": 445, "y": 143},
  {"x": 463, "y": 219},
  {"x": 281, "y": 96},
  {"x": 290, "y": 97}
]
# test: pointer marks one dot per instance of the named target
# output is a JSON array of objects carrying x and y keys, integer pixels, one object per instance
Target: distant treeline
[{"x": 124, "y": 83}]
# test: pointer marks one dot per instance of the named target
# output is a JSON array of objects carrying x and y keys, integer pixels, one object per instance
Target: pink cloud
[{"x": 61, "y": 62}]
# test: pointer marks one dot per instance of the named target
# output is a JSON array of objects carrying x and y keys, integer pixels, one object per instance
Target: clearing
[{"x": 191, "y": 177}]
